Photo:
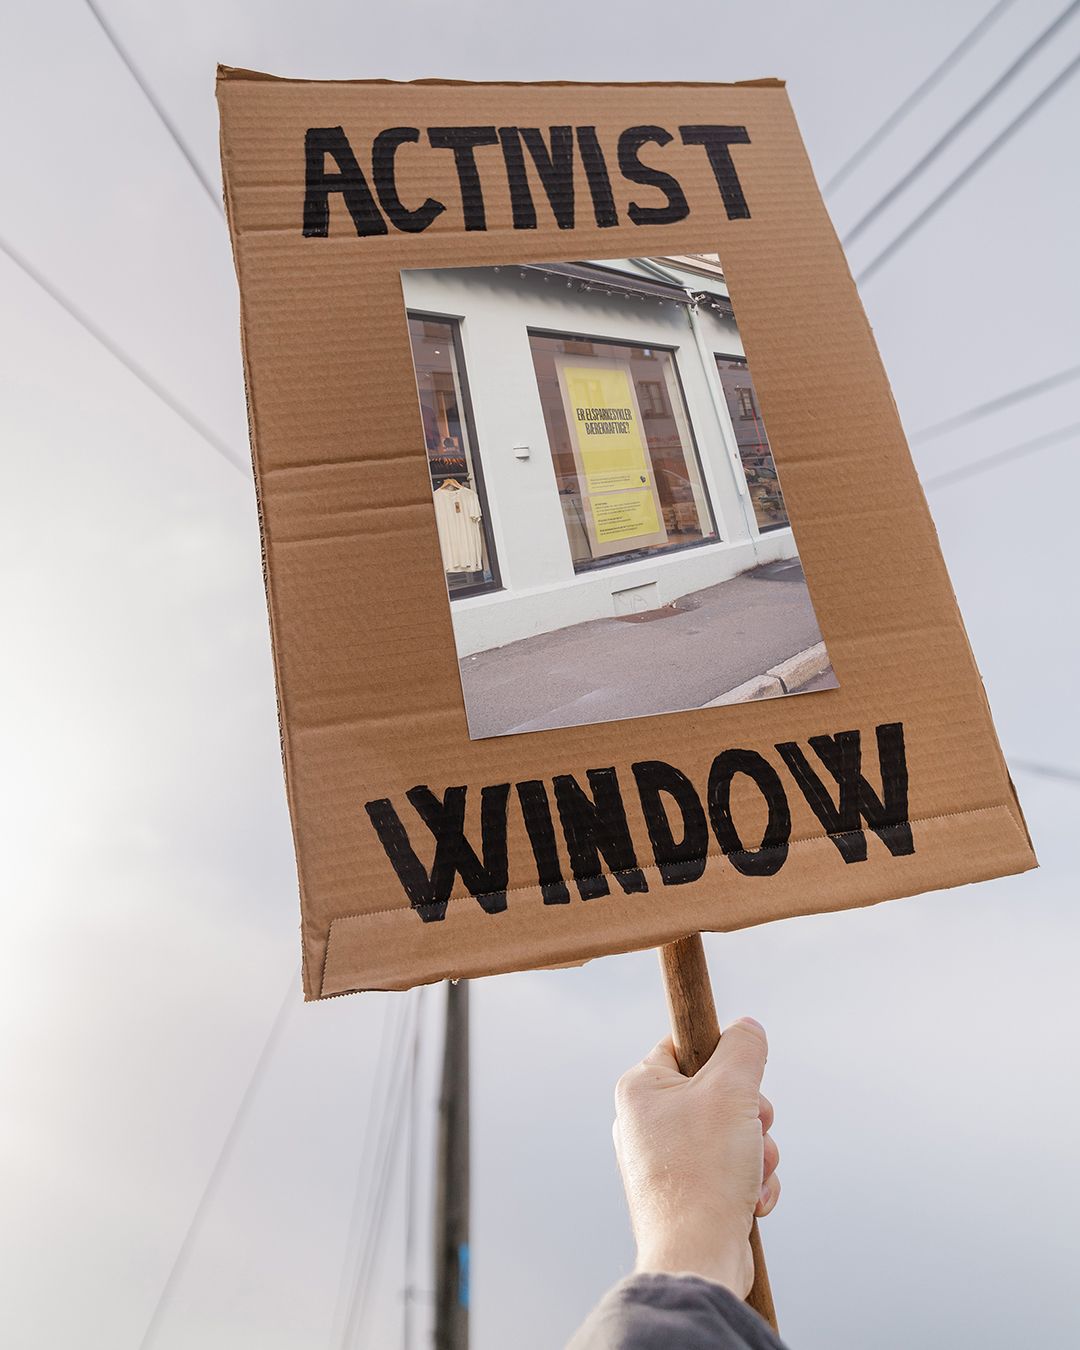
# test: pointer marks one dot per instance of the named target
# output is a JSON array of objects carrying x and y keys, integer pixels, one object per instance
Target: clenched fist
[{"x": 697, "y": 1159}]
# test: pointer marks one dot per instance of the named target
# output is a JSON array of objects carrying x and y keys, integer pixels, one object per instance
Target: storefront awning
[{"x": 585, "y": 277}]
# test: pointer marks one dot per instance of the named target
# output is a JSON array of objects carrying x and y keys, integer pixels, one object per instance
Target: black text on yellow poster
[
  {"x": 614, "y": 456},
  {"x": 624, "y": 515}
]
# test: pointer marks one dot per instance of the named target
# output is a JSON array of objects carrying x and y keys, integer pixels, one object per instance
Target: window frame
[
  {"x": 643, "y": 554},
  {"x": 744, "y": 361},
  {"x": 453, "y": 322}
]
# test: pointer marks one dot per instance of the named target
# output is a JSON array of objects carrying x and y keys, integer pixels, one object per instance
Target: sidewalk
[{"x": 679, "y": 657}]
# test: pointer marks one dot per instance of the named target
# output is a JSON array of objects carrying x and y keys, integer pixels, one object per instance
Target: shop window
[
  {"x": 757, "y": 461},
  {"x": 461, "y": 513},
  {"x": 627, "y": 469}
]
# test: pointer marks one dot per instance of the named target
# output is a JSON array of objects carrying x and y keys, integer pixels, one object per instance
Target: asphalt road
[{"x": 676, "y": 658}]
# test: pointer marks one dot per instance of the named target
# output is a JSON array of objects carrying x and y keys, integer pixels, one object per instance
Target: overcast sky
[{"x": 924, "y": 1057}]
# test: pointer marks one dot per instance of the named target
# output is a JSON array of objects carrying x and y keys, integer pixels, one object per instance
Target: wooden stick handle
[{"x": 696, "y": 1031}]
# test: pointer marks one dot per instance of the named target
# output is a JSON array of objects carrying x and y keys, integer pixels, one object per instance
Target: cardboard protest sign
[{"x": 575, "y": 460}]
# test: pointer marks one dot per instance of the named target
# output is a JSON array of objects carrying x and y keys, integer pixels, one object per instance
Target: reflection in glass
[{"x": 761, "y": 476}]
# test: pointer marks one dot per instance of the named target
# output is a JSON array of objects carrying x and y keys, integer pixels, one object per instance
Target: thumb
[{"x": 740, "y": 1053}]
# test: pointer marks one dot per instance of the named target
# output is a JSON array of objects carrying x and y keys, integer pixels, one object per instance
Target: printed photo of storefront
[{"x": 612, "y": 525}]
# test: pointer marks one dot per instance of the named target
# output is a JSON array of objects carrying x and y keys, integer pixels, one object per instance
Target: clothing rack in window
[{"x": 448, "y": 466}]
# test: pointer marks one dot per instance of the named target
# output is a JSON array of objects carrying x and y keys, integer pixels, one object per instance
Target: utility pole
[{"x": 452, "y": 1179}]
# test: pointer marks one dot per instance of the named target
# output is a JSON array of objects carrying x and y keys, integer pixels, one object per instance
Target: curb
[{"x": 786, "y": 677}]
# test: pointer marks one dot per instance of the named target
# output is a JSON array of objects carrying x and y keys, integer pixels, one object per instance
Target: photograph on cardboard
[{"x": 608, "y": 511}]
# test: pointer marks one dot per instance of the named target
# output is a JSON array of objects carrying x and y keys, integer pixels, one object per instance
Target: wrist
[{"x": 730, "y": 1264}]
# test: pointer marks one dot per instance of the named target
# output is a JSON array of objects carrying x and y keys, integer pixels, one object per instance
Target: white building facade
[{"x": 517, "y": 368}]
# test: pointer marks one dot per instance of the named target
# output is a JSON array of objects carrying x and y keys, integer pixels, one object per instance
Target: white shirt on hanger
[{"x": 458, "y": 516}]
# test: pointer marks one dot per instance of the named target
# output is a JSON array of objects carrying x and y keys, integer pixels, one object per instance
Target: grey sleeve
[{"x": 673, "y": 1312}]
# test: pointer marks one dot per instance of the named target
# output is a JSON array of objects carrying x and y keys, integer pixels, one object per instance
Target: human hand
[{"x": 696, "y": 1157}]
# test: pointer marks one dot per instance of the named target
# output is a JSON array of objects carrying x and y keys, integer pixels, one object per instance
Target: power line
[
  {"x": 410, "y": 1179},
  {"x": 115, "y": 350},
  {"x": 1002, "y": 457},
  {"x": 1054, "y": 771},
  {"x": 972, "y": 168},
  {"x": 391, "y": 1042},
  {"x": 360, "y": 1304},
  {"x": 378, "y": 1142},
  {"x": 377, "y": 1210},
  {"x": 916, "y": 96},
  {"x": 183, "y": 1252},
  {"x": 169, "y": 125},
  {"x": 964, "y": 120},
  {"x": 85, "y": 321},
  {"x": 994, "y": 405}
]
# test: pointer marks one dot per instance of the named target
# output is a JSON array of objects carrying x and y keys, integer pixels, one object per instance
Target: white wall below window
[{"x": 591, "y": 595}]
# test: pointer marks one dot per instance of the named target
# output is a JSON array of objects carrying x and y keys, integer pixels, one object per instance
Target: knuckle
[{"x": 626, "y": 1086}]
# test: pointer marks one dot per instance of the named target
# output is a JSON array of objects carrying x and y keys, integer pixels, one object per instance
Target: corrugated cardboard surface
[{"x": 369, "y": 696}]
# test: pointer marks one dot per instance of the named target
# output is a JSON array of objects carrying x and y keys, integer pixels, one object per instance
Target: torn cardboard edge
[{"x": 240, "y": 74}]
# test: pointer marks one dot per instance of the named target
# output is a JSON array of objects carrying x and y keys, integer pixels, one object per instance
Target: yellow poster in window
[
  {"x": 615, "y": 481},
  {"x": 613, "y": 453},
  {"x": 606, "y": 425}
]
